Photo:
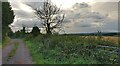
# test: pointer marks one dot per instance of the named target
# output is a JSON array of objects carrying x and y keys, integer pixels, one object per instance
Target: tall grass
[
  {"x": 5, "y": 41},
  {"x": 64, "y": 49}
]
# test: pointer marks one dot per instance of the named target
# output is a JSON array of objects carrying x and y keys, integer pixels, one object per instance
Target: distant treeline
[{"x": 95, "y": 34}]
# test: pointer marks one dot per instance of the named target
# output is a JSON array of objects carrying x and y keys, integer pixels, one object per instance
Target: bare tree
[{"x": 49, "y": 13}]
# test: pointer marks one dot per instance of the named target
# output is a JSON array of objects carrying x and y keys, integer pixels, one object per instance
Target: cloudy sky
[{"x": 80, "y": 15}]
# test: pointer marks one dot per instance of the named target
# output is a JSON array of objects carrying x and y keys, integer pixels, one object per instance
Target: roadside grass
[
  {"x": 5, "y": 41},
  {"x": 12, "y": 53},
  {"x": 63, "y": 49},
  {"x": 0, "y": 44}
]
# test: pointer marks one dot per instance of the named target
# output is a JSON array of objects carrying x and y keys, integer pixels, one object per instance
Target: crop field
[{"x": 112, "y": 39}]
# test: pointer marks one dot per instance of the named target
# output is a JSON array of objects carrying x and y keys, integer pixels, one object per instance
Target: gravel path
[{"x": 22, "y": 55}]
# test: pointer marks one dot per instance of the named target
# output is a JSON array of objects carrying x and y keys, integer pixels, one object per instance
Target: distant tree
[
  {"x": 23, "y": 30},
  {"x": 7, "y": 18},
  {"x": 35, "y": 31},
  {"x": 49, "y": 13},
  {"x": 10, "y": 33}
]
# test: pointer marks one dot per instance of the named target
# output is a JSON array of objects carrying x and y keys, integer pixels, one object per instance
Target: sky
[{"x": 81, "y": 16}]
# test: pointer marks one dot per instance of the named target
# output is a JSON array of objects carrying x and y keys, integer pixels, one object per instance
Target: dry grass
[{"x": 114, "y": 39}]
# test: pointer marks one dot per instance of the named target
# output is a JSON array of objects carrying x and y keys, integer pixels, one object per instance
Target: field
[
  {"x": 64, "y": 49},
  {"x": 113, "y": 39}
]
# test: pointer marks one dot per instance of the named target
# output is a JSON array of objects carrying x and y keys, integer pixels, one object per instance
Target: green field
[{"x": 64, "y": 49}]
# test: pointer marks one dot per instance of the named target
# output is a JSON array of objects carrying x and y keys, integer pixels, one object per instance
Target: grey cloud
[
  {"x": 28, "y": 22},
  {"x": 34, "y": 5},
  {"x": 105, "y": 7},
  {"x": 87, "y": 20},
  {"x": 25, "y": 0},
  {"x": 81, "y": 5},
  {"x": 66, "y": 20},
  {"x": 80, "y": 18},
  {"x": 23, "y": 18},
  {"x": 23, "y": 14},
  {"x": 15, "y": 5},
  {"x": 110, "y": 8},
  {"x": 85, "y": 25},
  {"x": 96, "y": 15},
  {"x": 106, "y": 0}
]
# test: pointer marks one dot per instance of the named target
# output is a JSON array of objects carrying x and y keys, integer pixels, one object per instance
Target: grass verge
[{"x": 5, "y": 41}]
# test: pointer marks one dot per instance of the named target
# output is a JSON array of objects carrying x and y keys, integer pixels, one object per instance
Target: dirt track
[{"x": 21, "y": 56}]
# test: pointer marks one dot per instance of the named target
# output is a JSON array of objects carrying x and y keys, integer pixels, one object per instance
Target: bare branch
[{"x": 47, "y": 13}]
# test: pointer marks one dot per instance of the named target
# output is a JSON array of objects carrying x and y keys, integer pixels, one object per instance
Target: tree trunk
[{"x": 48, "y": 29}]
